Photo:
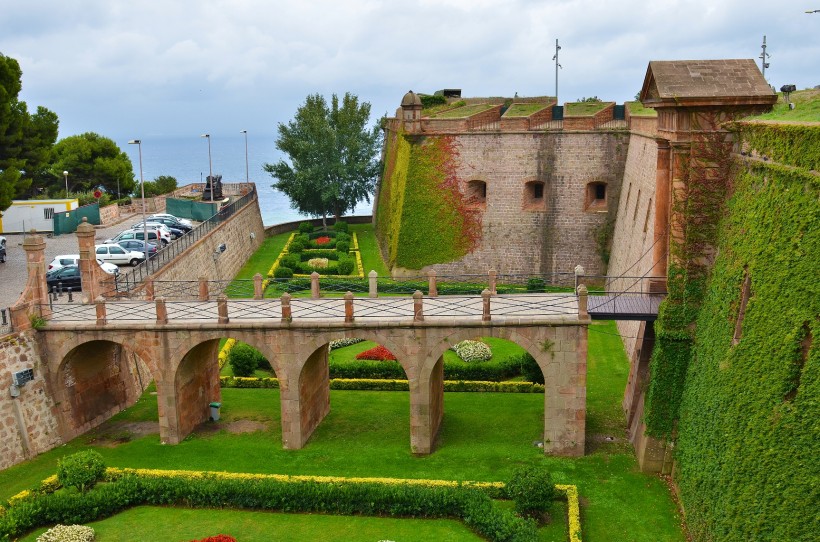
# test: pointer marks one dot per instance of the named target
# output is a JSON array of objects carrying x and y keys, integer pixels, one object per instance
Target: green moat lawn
[{"x": 484, "y": 437}]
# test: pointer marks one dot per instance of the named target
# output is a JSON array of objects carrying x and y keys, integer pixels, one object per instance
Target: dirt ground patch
[
  {"x": 111, "y": 434},
  {"x": 235, "y": 427}
]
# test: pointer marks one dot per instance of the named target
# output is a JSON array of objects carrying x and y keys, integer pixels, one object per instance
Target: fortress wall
[
  {"x": 525, "y": 236},
  {"x": 634, "y": 227},
  {"x": 28, "y": 423},
  {"x": 200, "y": 261}
]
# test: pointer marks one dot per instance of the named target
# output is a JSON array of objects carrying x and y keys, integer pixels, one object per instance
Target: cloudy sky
[{"x": 176, "y": 67}]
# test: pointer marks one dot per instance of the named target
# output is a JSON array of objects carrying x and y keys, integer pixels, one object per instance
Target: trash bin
[{"x": 215, "y": 411}]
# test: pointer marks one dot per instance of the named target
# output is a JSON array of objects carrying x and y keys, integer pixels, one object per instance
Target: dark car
[
  {"x": 64, "y": 279},
  {"x": 172, "y": 223},
  {"x": 139, "y": 246},
  {"x": 2, "y": 249}
]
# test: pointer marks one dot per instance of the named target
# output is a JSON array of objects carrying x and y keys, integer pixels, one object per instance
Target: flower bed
[
  {"x": 382, "y": 384},
  {"x": 377, "y": 353}
]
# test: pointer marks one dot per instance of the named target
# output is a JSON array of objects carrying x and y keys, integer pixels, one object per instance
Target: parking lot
[{"x": 13, "y": 272}]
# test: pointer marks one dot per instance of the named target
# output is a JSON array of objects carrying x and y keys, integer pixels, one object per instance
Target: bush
[
  {"x": 296, "y": 246},
  {"x": 290, "y": 260},
  {"x": 283, "y": 273},
  {"x": 530, "y": 369},
  {"x": 67, "y": 533},
  {"x": 343, "y": 237},
  {"x": 245, "y": 359},
  {"x": 305, "y": 227},
  {"x": 532, "y": 490},
  {"x": 346, "y": 266},
  {"x": 536, "y": 285},
  {"x": 81, "y": 470},
  {"x": 377, "y": 353},
  {"x": 471, "y": 351},
  {"x": 343, "y": 246},
  {"x": 341, "y": 226}
]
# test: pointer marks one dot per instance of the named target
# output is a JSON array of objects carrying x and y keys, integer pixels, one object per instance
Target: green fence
[
  {"x": 67, "y": 221},
  {"x": 186, "y": 208}
]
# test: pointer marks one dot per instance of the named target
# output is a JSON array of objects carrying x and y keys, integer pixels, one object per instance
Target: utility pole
[
  {"x": 557, "y": 65},
  {"x": 763, "y": 56}
]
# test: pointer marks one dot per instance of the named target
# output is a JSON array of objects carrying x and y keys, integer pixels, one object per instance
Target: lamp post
[
  {"x": 138, "y": 143},
  {"x": 247, "y": 175},
  {"x": 65, "y": 174},
  {"x": 210, "y": 165}
]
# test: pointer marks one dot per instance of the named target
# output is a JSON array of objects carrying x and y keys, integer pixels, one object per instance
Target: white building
[{"x": 37, "y": 214}]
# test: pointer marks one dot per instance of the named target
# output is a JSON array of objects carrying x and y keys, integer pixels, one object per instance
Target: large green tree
[
  {"x": 25, "y": 139},
  {"x": 333, "y": 156},
  {"x": 93, "y": 161}
]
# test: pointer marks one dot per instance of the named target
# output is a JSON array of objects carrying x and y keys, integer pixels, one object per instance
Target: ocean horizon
[{"x": 186, "y": 159}]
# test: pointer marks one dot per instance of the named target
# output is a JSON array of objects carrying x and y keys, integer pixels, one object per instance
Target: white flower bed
[
  {"x": 67, "y": 533},
  {"x": 341, "y": 343},
  {"x": 318, "y": 263},
  {"x": 471, "y": 351}
]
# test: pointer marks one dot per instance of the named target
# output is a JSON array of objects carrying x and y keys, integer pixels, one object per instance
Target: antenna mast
[{"x": 557, "y": 65}]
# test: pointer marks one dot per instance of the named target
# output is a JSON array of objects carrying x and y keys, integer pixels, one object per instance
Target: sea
[{"x": 186, "y": 159}]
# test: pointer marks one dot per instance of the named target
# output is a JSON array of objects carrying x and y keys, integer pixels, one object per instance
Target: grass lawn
[
  {"x": 583, "y": 109},
  {"x": 523, "y": 110},
  {"x": 807, "y": 107},
  {"x": 637, "y": 109},
  {"x": 484, "y": 436},
  {"x": 464, "y": 111}
]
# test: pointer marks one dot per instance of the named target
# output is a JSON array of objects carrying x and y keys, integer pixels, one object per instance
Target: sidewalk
[{"x": 13, "y": 273}]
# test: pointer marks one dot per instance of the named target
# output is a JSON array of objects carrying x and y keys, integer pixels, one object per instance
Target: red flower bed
[
  {"x": 322, "y": 240},
  {"x": 217, "y": 538},
  {"x": 378, "y": 353}
]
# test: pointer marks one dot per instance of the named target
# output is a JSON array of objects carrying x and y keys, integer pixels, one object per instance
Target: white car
[
  {"x": 184, "y": 221},
  {"x": 116, "y": 254},
  {"x": 127, "y": 235},
  {"x": 164, "y": 232},
  {"x": 63, "y": 260}
]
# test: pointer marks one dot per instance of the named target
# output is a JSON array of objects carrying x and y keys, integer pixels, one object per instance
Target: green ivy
[
  {"x": 789, "y": 144},
  {"x": 747, "y": 443}
]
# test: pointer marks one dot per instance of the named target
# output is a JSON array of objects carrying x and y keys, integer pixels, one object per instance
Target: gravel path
[{"x": 13, "y": 272}]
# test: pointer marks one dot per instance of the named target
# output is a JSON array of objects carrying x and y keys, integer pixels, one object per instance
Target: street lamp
[
  {"x": 138, "y": 143},
  {"x": 65, "y": 174},
  {"x": 247, "y": 175},
  {"x": 210, "y": 165}
]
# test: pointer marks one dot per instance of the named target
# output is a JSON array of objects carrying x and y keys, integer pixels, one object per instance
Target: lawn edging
[{"x": 469, "y": 501}]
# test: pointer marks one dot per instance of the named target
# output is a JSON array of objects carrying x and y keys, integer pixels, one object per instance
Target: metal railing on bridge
[{"x": 125, "y": 283}]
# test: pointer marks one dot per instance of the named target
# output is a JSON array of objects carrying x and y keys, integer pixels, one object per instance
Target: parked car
[
  {"x": 165, "y": 232},
  {"x": 139, "y": 246},
  {"x": 114, "y": 253},
  {"x": 2, "y": 249},
  {"x": 171, "y": 222},
  {"x": 183, "y": 221},
  {"x": 173, "y": 232},
  {"x": 64, "y": 260},
  {"x": 64, "y": 278},
  {"x": 128, "y": 235}
]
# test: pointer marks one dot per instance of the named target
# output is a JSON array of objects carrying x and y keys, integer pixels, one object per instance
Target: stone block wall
[
  {"x": 522, "y": 236},
  {"x": 28, "y": 423},
  {"x": 200, "y": 260},
  {"x": 197, "y": 385},
  {"x": 109, "y": 214},
  {"x": 634, "y": 228}
]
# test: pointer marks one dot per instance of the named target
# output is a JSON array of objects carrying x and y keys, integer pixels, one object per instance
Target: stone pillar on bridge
[
  {"x": 34, "y": 299},
  {"x": 93, "y": 278}
]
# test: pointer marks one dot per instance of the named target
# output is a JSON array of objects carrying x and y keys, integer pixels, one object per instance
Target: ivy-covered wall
[
  {"x": 422, "y": 217},
  {"x": 747, "y": 448}
]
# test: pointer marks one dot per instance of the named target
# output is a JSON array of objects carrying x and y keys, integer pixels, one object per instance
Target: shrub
[
  {"x": 536, "y": 284},
  {"x": 283, "y": 273},
  {"x": 245, "y": 359},
  {"x": 81, "y": 470},
  {"x": 67, "y": 533},
  {"x": 341, "y": 226},
  {"x": 530, "y": 369},
  {"x": 377, "y": 353},
  {"x": 343, "y": 237},
  {"x": 290, "y": 260},
  {"x": 305, "y": 227},
  {"x": 341, "y": 343},
  {"x": 342, "y": 246},
  {"x": 303, "y": 238},
  {"x": 346, "y": 266},
  {"x": 532, "y": 490},
  {"x": 296, "y": 246},
  {"x": 471, "y": 351}
]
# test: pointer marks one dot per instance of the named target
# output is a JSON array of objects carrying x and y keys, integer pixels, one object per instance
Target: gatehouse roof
[{"x": 705, "y": 82}]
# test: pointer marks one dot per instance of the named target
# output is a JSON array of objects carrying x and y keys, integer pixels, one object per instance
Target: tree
[
  {"x": 332, "y": 153},
  {"x": 161, "y": 185},
  {"x": 93, "y": 161},
  {"x": 25, "y": 140}
]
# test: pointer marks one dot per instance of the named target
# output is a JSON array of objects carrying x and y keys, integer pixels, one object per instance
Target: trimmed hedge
[
  {"x": 453, "y": 370},
  {"x": 379, "y": 384},
  {"x": 474, "y": 507}
]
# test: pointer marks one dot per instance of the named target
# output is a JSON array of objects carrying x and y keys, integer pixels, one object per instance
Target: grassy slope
[
  {"x": 583, "y": 108},
  {"x": 807, "y": 108},
  {"x": 484, "y": 436},
  {"x": 524, "y": 110}
]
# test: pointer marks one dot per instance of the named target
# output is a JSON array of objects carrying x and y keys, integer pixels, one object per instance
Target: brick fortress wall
[{"x": 522, "y": 236}]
